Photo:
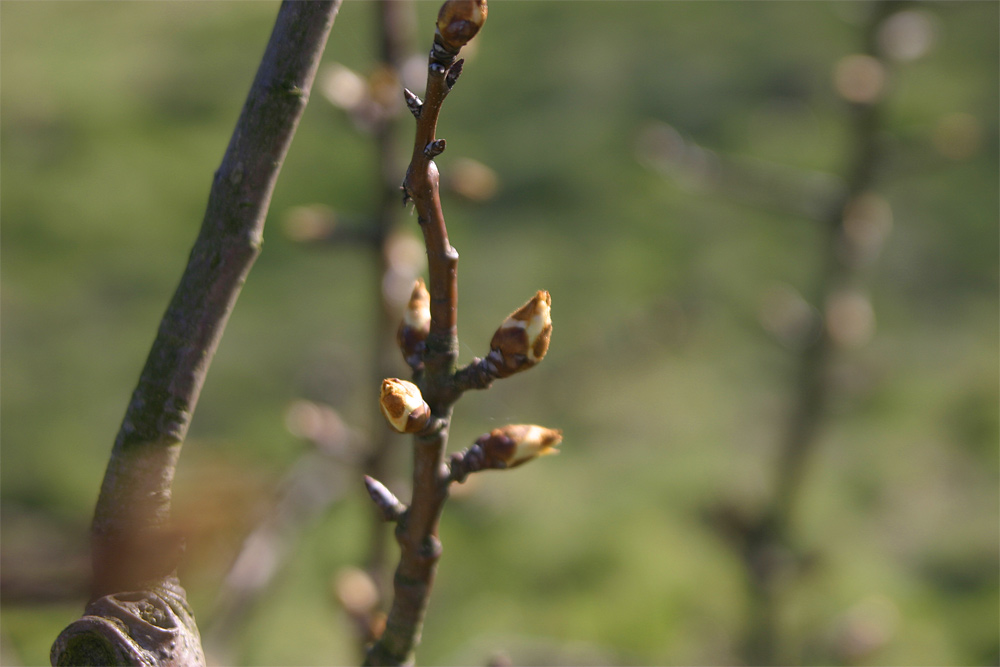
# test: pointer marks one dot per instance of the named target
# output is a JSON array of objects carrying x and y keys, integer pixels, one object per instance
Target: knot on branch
[{"x": 150, "y": 628}]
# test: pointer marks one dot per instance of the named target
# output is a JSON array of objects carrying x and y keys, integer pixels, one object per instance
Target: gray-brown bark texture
[{"x": 138, "y": 613}]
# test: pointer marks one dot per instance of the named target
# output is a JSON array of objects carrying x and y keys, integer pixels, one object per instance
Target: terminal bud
[{"x": 458, "y": 22}]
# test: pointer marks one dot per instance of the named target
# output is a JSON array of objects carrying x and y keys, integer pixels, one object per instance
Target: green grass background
[{"x": 114, "y": 115}]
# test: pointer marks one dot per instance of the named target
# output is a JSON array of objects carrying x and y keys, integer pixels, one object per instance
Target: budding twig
[
  {"x": 431, "y": 348},
  {"x": 416, "y": 530}
]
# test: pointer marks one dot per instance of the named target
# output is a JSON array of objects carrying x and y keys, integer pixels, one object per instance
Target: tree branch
[
  {"x": 416, "y": 529},
  {"x": 771, "y": 533},
  {"x": 133, "y": 548}
]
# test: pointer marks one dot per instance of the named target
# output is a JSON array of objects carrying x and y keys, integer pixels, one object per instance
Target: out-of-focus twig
[
  {"x": 320, "y": 477},
  {"x": 767, "y": 541},
  {"x": 854, "y": 223},
  {"x": 396, "y": 28},
  {"x": 771, "y": 186}
]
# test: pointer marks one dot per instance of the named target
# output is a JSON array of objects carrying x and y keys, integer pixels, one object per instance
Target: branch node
[
  {"x": 390, "y": 506},
  {"x": 413, "y": 103},
  {"x": 435, "y": 148},
  {"x": 430, "y": 548}
]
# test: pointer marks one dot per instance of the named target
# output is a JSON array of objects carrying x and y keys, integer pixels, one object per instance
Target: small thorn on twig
[
  {"x": 390, "y": 506},
  {"x": 454, "y": 72},
  {"x": 413, "y": 103},
  {"x": 406, "y": 195},
  {"x": 435, "y": 148}
]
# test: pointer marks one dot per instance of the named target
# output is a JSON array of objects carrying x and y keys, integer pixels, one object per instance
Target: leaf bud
[
  {"x": 416, "y": 324},
  {"x": 523, "y": 339},
  {"x": 458, "y": 22},
  {"x": 403, "y": 406},
  {"x": 514, "y": 444}
]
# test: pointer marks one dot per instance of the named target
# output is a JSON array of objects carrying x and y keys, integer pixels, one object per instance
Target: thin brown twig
[
  {"x": 428, "y": 339},
  {"x": 416, "y": 530}
]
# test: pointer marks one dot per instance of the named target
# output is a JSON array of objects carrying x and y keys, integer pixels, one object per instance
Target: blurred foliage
[{"x": 670, "y": 392}]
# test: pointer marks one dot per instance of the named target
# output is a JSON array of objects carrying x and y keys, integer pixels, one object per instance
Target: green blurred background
[{"x": 664, "y": 373}]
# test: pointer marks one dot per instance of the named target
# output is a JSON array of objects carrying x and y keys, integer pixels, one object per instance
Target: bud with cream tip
[
  {"x": 515, "y": 444},
  {"x": 523, "y": 339},
  {"x": 403, "y": 406},
  {"x": 416, "y": 324}
]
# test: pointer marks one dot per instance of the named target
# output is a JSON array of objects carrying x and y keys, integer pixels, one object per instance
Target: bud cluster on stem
[{"x": 428, "y": 339}]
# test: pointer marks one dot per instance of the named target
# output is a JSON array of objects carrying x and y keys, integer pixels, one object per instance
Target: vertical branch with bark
[
  {"x": 428, "y": 338},
  {"x": 138, "y": 612}
]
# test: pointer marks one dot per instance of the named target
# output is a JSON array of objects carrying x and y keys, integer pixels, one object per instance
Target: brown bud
[
  {"x": 459, "y": 21},
  {"x": 523, "y": 339},
  {"x": 403, "y": 406},
  {"x": 514, "y": 444},
  {"x": 416, "y": 324}
]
